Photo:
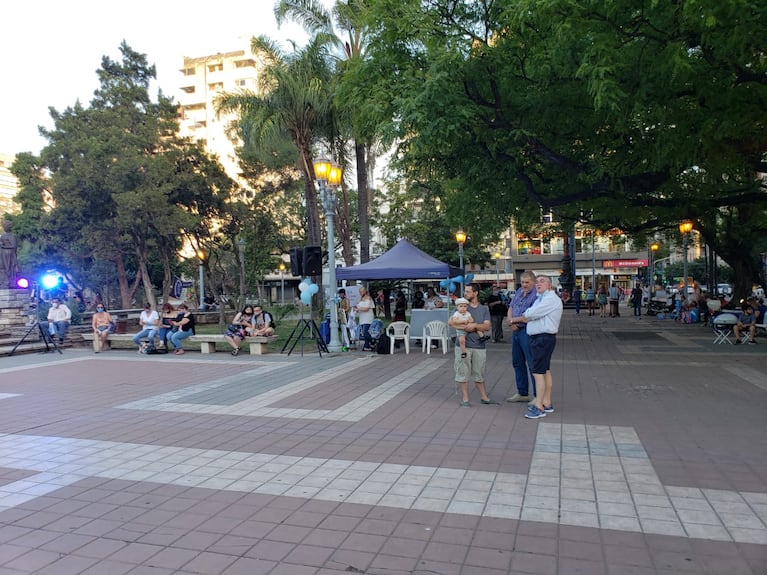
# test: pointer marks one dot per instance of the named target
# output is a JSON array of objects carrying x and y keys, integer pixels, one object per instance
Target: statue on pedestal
[{"x": 9, "y": 267}]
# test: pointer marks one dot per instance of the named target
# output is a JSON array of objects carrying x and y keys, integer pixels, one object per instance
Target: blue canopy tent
[{"x": 403, "y": 261}]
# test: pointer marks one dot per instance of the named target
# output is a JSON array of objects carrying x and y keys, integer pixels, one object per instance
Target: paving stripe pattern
[{"x": 605, "y": 480}]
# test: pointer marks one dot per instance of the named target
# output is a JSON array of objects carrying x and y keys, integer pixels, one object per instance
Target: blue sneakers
[
  {"x": 548, "y": 408},
  {"x": 534, "y": 413}
]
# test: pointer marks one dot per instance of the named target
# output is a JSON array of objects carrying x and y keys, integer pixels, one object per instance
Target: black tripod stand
[
  {"x": 47, "y": 339},
  {"x": 313, "y": 334}
]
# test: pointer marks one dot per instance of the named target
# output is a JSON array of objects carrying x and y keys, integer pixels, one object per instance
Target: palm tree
[
  {"x": 350, "y": 42},
  {"x": 294, "y": 101}
]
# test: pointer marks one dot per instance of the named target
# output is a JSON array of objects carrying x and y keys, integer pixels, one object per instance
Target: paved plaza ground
[{"x": 655, "y": 461}]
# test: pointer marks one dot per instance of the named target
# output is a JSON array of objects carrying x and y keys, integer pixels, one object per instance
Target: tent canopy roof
[{"x": 403, "y": 261}]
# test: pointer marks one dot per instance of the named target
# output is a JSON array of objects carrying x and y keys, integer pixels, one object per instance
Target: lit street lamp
[
  {"x": 282, "y": 283},
  {"x": 328, "y": 176},
  {"x": 497, "y": 273},
  {"x": 685, "y": 228},
  {"x": 201, "y": 257},
  {"x": 653, "y": 248},
  {"x": 460, "y": 237},
  {"x": 241, "y": 249}
]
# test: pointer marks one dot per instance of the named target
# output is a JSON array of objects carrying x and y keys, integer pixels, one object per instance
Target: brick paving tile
[{"x": 201, "y": 465}]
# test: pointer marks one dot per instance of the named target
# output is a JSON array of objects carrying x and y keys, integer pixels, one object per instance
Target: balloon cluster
[
  {"x": 449, "y": 284},
  {"x": 307, "y": 288}
]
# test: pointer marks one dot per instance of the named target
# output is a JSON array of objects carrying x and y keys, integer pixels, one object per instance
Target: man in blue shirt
[
  {"x": 542, "y": 319},
  {"x": 521, "y": 356}
]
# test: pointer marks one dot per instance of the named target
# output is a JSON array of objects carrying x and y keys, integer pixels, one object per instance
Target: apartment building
[
  {"x": 9, "y": 185},
  {"x": 202, "y": 79}
]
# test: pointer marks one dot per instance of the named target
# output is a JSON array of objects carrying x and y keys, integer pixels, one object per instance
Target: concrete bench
[
  {"x": 124, "y": 337},
  {"x": 258, "y": 344}
]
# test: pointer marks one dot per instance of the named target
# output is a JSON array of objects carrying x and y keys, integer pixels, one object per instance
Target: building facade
[{"x": 204, "y": 78}]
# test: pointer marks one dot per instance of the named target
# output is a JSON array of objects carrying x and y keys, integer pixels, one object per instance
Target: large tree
[
  {"x": 293, "y": 101},
  {"x": 345, "y": 27},
  {"x": 638, "y": 114},
  {"x": 122, "y": 187}
]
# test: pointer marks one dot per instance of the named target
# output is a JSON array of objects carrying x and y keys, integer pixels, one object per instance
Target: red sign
[{"x": 625, "y": 263}]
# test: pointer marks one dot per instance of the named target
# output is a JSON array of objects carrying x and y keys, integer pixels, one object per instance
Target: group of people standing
[{"x": 534, "y": 315}]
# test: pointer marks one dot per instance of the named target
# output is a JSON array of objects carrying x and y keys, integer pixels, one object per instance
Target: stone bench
[{"x": 258, "y": 344}]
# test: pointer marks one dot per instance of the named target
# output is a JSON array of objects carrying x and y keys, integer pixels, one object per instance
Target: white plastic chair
[
  {"x": 435, "y": 330},
  {"x": 399, "y": 330}
]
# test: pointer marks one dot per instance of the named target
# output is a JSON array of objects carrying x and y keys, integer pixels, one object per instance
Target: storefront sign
[{"x": 625, "y": 263}]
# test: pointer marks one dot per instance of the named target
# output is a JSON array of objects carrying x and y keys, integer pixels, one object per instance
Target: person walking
[
  {"x": 636, "y": 300},
  {"x": 602, "y": 301},
  {"x": 365, "y": 310},
  {"x": 542, "y": 320},
  {"x": 614, "y": 297},
  {"x": 498, "y": 312},
  {"x": 473, "y": 365},
  {"x": 521, "y": 356},
  {"x": 590, "y": 299},
  {"x": 577, "y": 299}
]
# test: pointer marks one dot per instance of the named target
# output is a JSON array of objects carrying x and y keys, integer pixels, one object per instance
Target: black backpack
[{"x": 384, "y": 344}]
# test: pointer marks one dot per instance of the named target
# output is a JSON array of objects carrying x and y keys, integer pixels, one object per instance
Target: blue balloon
[
  {"x": 458, "y": 279},
  {"x": 306, "y": 297},
  {"x": 444, "y": 283},
  {"x": 451, "y": 287},
  {"x": 313, "y": 289},
  {"x": 469, "y": 277}
]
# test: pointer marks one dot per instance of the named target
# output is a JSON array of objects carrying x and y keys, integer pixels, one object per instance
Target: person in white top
[
  {"x": 149, "y": 320},
  {"x": 59, "y": 317},
  {"x": 542, "y": 319}
]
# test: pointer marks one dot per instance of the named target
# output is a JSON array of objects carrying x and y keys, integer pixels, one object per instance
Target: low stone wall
[{"x": 14, "y": 312}]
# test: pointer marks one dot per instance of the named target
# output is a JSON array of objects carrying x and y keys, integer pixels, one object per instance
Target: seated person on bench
[
  {"x": 264, "y": 322},
  {"x": 747, "y": 321}
]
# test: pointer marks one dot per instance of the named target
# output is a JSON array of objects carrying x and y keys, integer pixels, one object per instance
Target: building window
[
  {"x": 241, "y": 83},
  {"x": 215, "y": 86},
  {"x": 188, "y": 89},
  {"x": 245, "y": 63},
  {"x": 215, "y": 67},
  {"x": 189, "y": 71}
]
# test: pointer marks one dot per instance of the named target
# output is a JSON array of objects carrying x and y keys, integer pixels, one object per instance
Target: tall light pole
[
  {"x": 201, "y": 257},
  {"x": 328, "y": 176},
  {"x": 685, "y": 228},
  {"x": 460, "y": 237},
  {"x": 593, "y": 262},
  {"x": 282, "y": 283},
  {"x": 653, "y": 248},
  {"x": 497, "y": 273},
  {"x": 241, "y": 250}
]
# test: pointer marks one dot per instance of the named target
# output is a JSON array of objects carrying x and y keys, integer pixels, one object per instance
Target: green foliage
[{"x": 638, "y": 114}]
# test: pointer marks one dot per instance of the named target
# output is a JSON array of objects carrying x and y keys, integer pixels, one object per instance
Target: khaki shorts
[{"x": 470, "y": 367}]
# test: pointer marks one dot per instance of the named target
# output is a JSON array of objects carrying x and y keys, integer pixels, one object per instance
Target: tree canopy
[{"x": 625, "y": 114}]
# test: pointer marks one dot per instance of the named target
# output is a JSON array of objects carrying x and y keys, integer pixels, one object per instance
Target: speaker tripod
[
  {"x": 298, "y": 334},
  {"x": 47, "y": 338}
]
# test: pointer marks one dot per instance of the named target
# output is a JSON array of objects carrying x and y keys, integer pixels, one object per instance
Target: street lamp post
[
  {"x": 685, "y": 228},
  {"x": 653, "y": 248},
  {"x": 201, "y": 257},
  {"x": 460, "y": 237},
  {"x": 241, "y": 249},
  {"x": 282, "y": 283},
  {"x": 328, "y": 177},
  {"x": 497, "y": 273}
]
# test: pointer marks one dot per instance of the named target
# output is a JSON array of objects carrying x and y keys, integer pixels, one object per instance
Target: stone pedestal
[{"x": 14, "y": 311}]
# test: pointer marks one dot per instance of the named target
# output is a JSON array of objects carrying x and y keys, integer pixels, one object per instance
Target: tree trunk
[
  {"x": 343, "y": 228},
  {"x": 144, "y": 272},
  {"x": 360, "y": 151}
]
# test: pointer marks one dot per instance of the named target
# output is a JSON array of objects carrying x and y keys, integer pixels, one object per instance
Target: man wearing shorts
[
  {"x": 473, "y": 365},
  {"x": 542, "y": 319}
]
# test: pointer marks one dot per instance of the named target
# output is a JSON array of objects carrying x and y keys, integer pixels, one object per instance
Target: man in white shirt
[
  {"x": 59, "y": 317},
  {"x": 542, "y": 319},
  {"x": 149, "y": 320}
]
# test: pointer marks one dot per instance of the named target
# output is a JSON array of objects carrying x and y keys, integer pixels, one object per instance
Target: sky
[{"x": 51, "y": 50}]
